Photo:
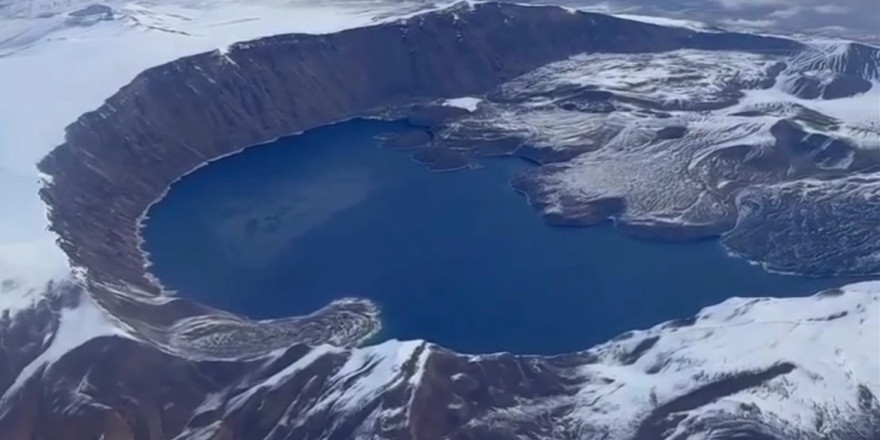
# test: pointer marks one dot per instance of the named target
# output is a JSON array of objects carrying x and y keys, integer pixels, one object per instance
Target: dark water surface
[{"x": 457, "y": 258}]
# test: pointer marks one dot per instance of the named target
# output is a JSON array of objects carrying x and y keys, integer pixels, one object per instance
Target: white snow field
[
  {"x": 55, "y": 66},
  {"x": 57, "y": 63}
]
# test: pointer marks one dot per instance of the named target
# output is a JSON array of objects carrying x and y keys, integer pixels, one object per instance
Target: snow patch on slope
[
  {"x": 46, "y": 84},
  {"x": 670, "y": 22},
  {"x": 742, "y": 335},
  {"x": 831, "y": 339},
  {"x": 675, "y": 136},
  {"x": 681, "y": 77},
  {"x": 77, "y": 325},
  {"x": 858, "y": 113},
  {"x": 280, "y": 377},
  {"x": 376, "y": 369},
  {"x": 467, "y": 103},
  {"x": 357, "y": 383}
]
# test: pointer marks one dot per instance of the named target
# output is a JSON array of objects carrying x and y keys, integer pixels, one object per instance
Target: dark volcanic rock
[
  {"x": 22, "y": 336},
  {"x": 97, "y": 384},
  {"x": 121, "y": 157},
  {"x": 672, "y": 232},
  {"x": 845, "y": 85},
  {"x": 643, "y": 346},
  {"x": 806, "y": 87},
  {"x": 183, "y": 371},
  {"x": 90, "y": 15},
  {"x": 550, "y": 155},
  {"x": 590, "y": 101},
  {"x": 662, "y": 420},
  {"x": 839, "y": 86},
  {"x": 672, "y": 132}
]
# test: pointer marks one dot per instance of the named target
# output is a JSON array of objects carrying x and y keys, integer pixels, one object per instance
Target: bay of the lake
[{"x": 457, "y": 258}]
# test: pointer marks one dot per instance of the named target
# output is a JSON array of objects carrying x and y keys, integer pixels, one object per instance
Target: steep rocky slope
[
  {"x": 744, "y": 369},
  {"x": 112, "y": 356},
  {"x": 172, "y": 118}
]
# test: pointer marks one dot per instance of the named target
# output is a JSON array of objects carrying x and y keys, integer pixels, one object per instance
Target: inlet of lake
[{"x": 457, "y": 258}]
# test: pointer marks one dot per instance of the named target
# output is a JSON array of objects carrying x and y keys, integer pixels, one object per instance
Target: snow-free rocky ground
[{"x": 770, "y": 144}]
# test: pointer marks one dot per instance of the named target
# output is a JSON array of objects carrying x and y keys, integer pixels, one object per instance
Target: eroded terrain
[{"x": 758, "y": 150}]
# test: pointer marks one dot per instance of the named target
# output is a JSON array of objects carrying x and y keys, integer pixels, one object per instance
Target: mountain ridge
[
  {"x": 690, "y": 376},
  {"x": 302, "y": 377}
]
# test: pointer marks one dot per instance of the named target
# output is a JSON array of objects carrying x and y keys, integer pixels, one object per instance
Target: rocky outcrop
[
  {"x": 696, "y": 144},
  {"x": 685, "y": 379},
  {"x": 158, "y": 367},
  {"x": 121, "y": 157}
]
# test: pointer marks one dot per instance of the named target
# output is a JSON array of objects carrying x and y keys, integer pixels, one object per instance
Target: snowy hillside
[
  {"x": 739, "y": 139},
  {"x": 750, "y": 335},
  {"x": 746, "y": 368},
  {"x": 59, "y": 60},
  {"x": 671, "y": 368},
  {"x": 672, "y": 129}
]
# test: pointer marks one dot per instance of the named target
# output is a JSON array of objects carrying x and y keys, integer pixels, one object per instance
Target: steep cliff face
[
  {"x": 157, "y": 367},
  {"x": 744, "y": 369},
  {"x": 120, "y": 158}
]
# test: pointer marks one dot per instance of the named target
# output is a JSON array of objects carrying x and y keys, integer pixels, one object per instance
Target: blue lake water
[{"x": 458, "y": 258}]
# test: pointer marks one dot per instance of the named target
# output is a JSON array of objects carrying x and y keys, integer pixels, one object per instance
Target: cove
[{"x": 457, "y": 258}]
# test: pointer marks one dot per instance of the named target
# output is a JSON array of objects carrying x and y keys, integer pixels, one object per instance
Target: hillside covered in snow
[{"x": 672, "y": 130}]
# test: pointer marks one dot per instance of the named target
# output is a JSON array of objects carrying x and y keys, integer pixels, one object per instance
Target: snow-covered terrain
[
  {"x": 78, "y": 324},
  {"x": 747, "y": 366},
  {"x": 666, "y": 21},
  {"x": 50, "y": 40},
  {"x": 631, "y": 377},
  {"x": 747, "y": 335},
  {"x": 684, "y": 119},
  {"x": 468, "y": 103},
  {"x": 56, "y": 64},
  {"x": 773, "y": 150}
]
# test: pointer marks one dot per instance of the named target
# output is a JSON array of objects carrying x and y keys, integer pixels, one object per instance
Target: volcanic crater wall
[{"x": 120, "y": 158}]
